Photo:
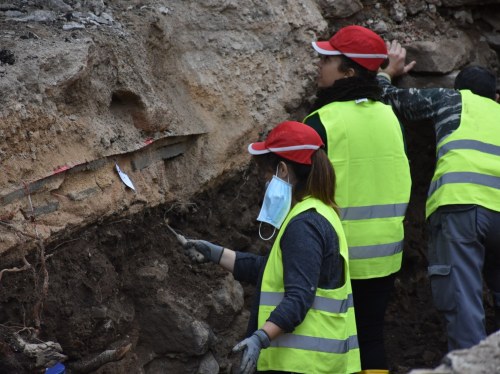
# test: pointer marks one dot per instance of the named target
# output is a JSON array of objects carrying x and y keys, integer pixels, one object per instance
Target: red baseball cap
[
  {"x": 358, "y": 43},
  {"x": 292, "y": 140}
]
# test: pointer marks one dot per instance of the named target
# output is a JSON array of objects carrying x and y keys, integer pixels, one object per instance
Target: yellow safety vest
[
  {"x": 326, "y": 340},
  {"x": 366, "y": 148},
  {"x": 468, "y": 160}
]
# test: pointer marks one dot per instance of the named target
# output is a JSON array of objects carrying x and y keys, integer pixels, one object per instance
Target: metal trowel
[{"x": 188, "y": 247}]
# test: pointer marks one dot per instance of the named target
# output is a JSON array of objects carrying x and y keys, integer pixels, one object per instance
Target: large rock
[
  {"x": 340, "y": 8},
  {"x": 441, "y": 56},
  {"x": 227, "y": 301},
  {"x": 480, "y": 359}
]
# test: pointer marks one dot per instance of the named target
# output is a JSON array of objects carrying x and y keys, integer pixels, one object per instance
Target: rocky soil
[{"x": 172, "y": 92}]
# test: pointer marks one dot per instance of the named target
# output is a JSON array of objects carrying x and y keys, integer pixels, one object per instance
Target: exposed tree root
[
  {"x": 15, "y": 269},
  {"x": 44, "y": 354},
  {"x": 91, "y": 364}
]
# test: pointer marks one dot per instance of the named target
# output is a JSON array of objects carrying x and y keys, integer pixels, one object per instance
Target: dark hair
[
  {"x": 479, "y": 80},
  {"x": 360, "y": 71},
  {"x": 317, "y": 180}
]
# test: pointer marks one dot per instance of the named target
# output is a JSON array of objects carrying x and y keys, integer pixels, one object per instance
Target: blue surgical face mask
[{"x": 276, "y": 204}]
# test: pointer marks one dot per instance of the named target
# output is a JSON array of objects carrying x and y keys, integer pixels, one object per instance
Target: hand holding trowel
[{"x": 198, "y": 250}]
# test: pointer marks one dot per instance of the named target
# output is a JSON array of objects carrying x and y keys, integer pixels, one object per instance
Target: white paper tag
[
  {"x": 361, "y": 100},
  {"x": 124, "y": 177}
]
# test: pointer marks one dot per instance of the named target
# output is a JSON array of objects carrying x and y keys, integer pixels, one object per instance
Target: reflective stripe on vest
[
  {"x": 366, "y": 148},
  {"x": 374, "y": 211},
  {"x": 326, "y": 340},
  {"x": 458, "y": 177},
  {"x": 469, "y": 144},
  {"x": 380, "y": 250},
  {"x": 468, "y": 160},
  {"x": 319, "y": 303},
  {"x": 309, "y": 343}
]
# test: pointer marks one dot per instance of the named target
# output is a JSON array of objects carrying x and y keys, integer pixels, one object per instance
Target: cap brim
[
  {"x": 325, "y": 48},
  {"x": 258, "y": 148}
]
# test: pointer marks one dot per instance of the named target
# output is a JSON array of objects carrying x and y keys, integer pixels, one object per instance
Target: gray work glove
[
  {"x": 251, "y": 347},
  {"x": 203, "y": 251}
]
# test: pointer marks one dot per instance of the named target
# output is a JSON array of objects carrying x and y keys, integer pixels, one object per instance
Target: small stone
[
  {"x": 107, "y": 17},
  {"x": 380, "y": 27},
  {"x": 463, "y": 17},
  {"x": 73, "y": 26},
  {"x": 39, "y": 16},
  {"x": 398, "y": 12},
  {"x": 4, "y": 7},
  {"x": 164, "y": 10},
  {"x": 13, "y": 13}
]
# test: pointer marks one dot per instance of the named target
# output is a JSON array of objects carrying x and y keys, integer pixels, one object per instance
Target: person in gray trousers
[{"x": 463, "y": 203}]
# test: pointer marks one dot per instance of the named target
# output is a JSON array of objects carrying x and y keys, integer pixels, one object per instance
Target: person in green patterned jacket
[{"x": 463, "y": 202}]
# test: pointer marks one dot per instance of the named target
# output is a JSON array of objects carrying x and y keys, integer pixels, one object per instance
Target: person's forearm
[
  {"x": 272, "y": 330},
  {"x": 227, "y": 259},
  {"x": 413, "y": 104}
]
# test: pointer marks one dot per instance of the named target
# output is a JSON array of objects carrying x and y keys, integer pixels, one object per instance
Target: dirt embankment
[{"x": 172, "y": 93}]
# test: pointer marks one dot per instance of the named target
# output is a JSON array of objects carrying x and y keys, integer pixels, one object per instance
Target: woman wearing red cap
[
  {"x": 364, "y": 142},
  {"x": 302, "y": 320}
]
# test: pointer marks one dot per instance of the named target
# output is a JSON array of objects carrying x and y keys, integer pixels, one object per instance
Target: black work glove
[
  {"x": 251, "y": 347},
  {"x": 203, "y": 251}
]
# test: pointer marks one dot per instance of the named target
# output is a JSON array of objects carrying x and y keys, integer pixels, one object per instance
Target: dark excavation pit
[{"x": 96, "y": 299}]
